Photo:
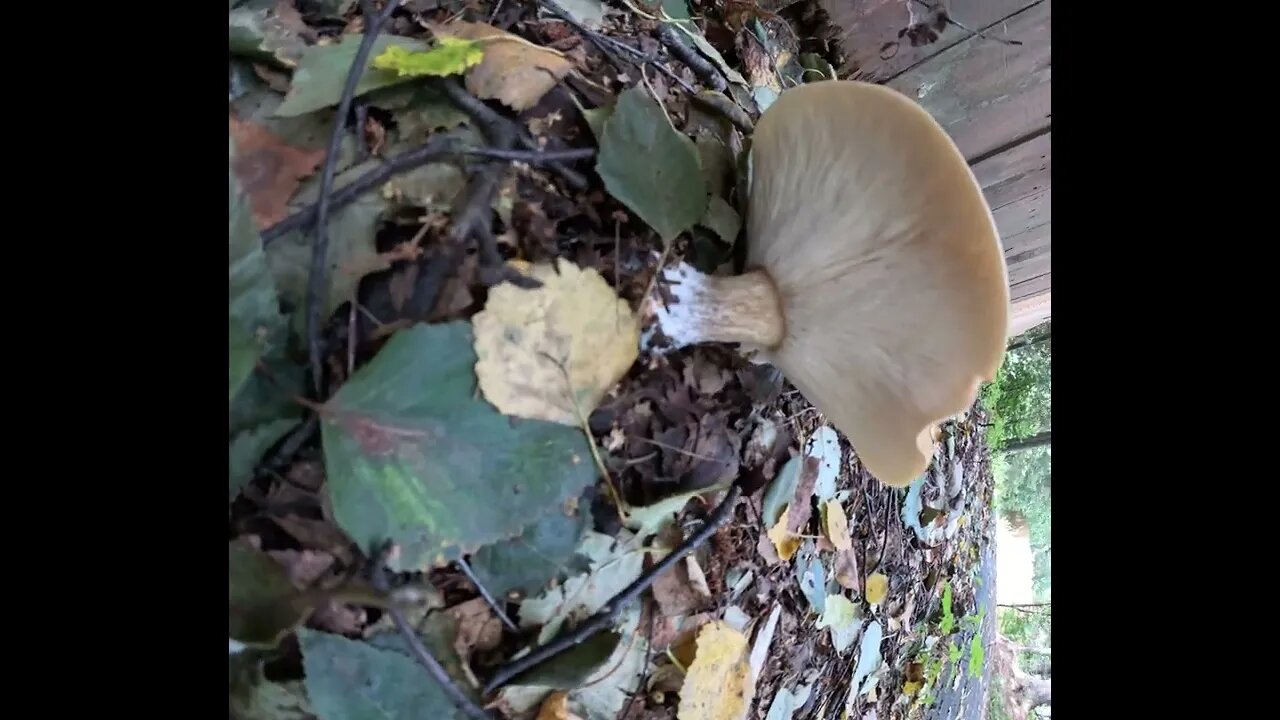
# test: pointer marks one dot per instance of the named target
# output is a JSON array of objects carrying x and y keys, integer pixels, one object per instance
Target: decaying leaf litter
[{"x": 477, "y": 342}]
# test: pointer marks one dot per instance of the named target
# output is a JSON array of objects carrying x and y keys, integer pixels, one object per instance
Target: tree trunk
[
  {"x": 1039, "y": 691},
  {"x": 1037, "y": 440}
]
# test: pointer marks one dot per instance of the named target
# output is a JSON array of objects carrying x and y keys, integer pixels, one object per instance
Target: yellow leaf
[
  {"x": 836, "y": 525},
  {"x": 514, "y": 70},
  {"x": 556, "y": 707},
  {"x": 718, "y": 685},
  {"x": 877, "y": 588},
  {"x": 784, "y": 542},
  {"x": 450, "y": 56},
  {"x": 909, "y": 688},
  {"x": 541, "y": 350}
]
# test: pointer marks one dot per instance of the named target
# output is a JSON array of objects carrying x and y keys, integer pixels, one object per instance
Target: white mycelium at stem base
[{"x": 875, "y": 278}]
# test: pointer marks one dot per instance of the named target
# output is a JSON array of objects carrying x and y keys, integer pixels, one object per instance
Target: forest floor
[{"x": 457, "y": 179}]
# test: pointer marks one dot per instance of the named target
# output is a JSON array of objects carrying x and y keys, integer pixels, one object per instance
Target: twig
[
  {"x": 701, "y": 67},
  {"x": 317, "y": 280},
  {"x": 434, "y": 149},
  {"x": 534, "y": 157},
  {"x": 484, "y": 593},
  {"x": 419, "y": 651},
  {"x": 608, "y": 46},
  {"x": 607, "y": 614}
]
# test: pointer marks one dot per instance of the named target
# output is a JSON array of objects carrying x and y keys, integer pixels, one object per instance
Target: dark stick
[
  {"x": 534, "y": 157},
  {"x": 484, "y": 593},
  {"x": 420, "y": 651},
  {"x": 436, "y": 148},
  {"x": 702, "y": 67},
  {"x": 607, "y": 614},
  {"x": 601, "y": 41},
  {"x": 316, "y": 281}
]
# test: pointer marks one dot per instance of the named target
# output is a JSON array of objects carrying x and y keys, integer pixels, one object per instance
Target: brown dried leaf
[
  {"x": 478, "y": 628},
  {"x": 514, "y": 71},
  {"x": 801, "y": 507},
  {"x": 846, "y": 570},
  {"x": 556, "y": 707},
  {"x": 269, "y": 169}
]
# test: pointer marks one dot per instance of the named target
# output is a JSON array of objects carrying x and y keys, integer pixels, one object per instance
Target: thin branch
[
  {"x": 700, "y": 66},
  {"x": 420, "y": 651},
  {"x": 436, "y": 148},
  {"x": 534, "y": 157},
  {"x": 484, "y": 593},
  {"x": 609, "y": 46},
  {"x": 607, "y": 614},
  {"x": 317, "y": 280}
]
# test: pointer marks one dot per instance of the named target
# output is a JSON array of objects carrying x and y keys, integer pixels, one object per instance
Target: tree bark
[{"x": 1037, "y": 440}]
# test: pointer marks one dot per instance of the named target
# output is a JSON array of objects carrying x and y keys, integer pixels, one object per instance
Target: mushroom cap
[{"x": 887, "y": 262}]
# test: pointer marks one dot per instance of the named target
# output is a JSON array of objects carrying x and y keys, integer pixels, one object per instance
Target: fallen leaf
[
  {"x": 351, "y": 679},
  {"x": 588, "y": 12},
  {"x": 812, "y": 577},
  {"x": 253, "y": 307},
  {"x": 263, "y": 605},
  {"x": 800, "y": 508},
  {"x": 911, "y": 687},
  {"x": 352, "y": 251},
  {"x": 433, "y": 186},
  {"x": 514, "y": 71},
  {"x": 526, "y": 563},
  {"x": 450, "y": 56},
  {"x": 784, "y": 542},
  {"x": 425, "y": 111},
  {"x": 692, "y": 33},
  {"x": 869, "y": 660},
  {"x": 478, "y": 629},
  {"x": 556, "y": 707},
  {"x": 268, "y": 30},
  {"x": 246, "y": 449},
  {"x": 877, "y": 588},
  {"x": 651, "y": 167},
  {"x": 824, "y": 446},
  {"x": 415, "y": 457},
  {"x": 842, "y": 617},
  {"x": 764, "y": 640},
  {"x": 322, "y": 72},
  {"x": 846, "y": 570},
  {"x": 718, "y": 685},
  {"x": 603, "y": 694},
  {"x": 647, "y": 520},
  {"x": 780, "y": 492},
  {"x": 836, "y": 525},
  {"x": 786, "y": 703},
  {"x": 254, "y": 697},
  {"x": 612, "y": 565},
  {"x": 269, "y": 170},
  {"x": 722, "y": 219},
  {"x": 551, "y": 353},
  {"x": 675, "y": 593},
  {"x": 575, "y": 667}
]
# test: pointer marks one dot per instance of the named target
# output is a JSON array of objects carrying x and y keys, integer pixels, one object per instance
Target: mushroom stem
[{"x": 704, "y": 308}]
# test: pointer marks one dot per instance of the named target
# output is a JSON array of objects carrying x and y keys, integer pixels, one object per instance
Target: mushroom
[{"x": 875, "y": 279}]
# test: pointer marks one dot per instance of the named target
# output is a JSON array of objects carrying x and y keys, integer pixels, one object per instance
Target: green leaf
[
  {"x": 351, "y": 680},
  {"x": 605, "y": 692},
  {"x": 525, "y": 564},
  {"x": 570, "y": 669},
  {"x": 254, "y": 697},
  {"x": 352, "y": 246},
  {"x": 780, "y": 492},
  {"x": 650, "y": 519},
  {"x": 322, "y": 72},
  {"x": 450, "y": 56},
  {"x": 613, "y": 565},
  {"x": 416, "y": 456},
  {"x": 717, "y": 163},
  {"x": 244, "y": 352},
  {"x": 246, "y": 449},
  {"x": 267, "y": 397},
  {"x": 842, "y": 617},
  {"x": 264, "y": 606},
  {"x": 419, "y": 112},
  {"x": 650, "y": 166},
  {"x": 251, "y": 293},
  {"x": 267, "y": 30},
  {"x": 722, "y": 219}
]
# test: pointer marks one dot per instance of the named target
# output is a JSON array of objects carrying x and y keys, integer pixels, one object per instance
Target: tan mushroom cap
[{"x": 887, "y": 262}]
